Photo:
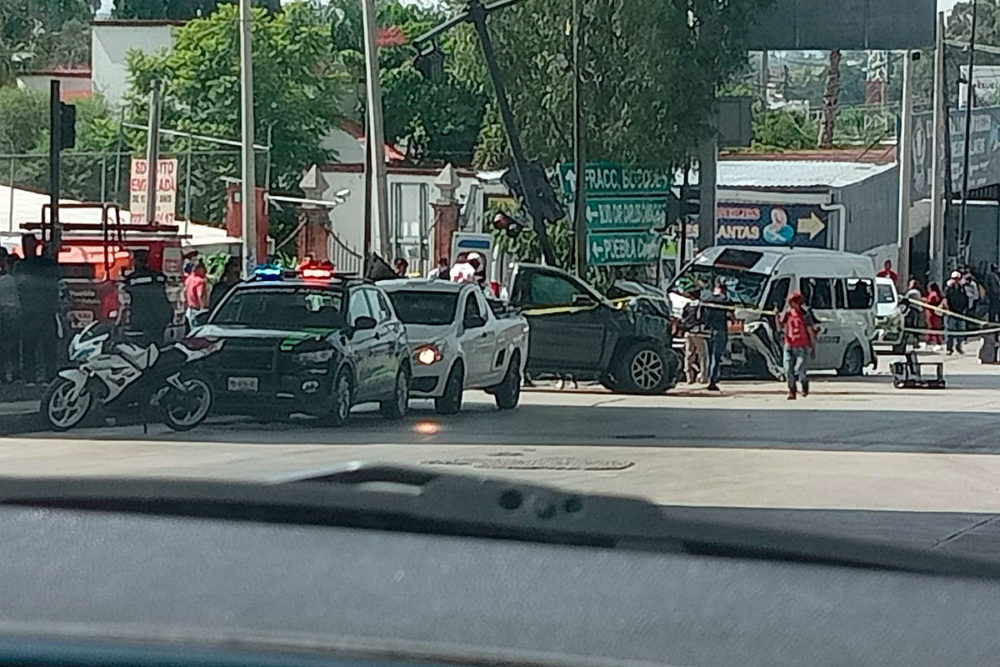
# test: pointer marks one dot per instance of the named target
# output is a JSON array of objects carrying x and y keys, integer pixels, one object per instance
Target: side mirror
[
  {"x": 201, "y": 319},
  {"x": 583, "y": 300},
  {"x": 364, "y": 323}
]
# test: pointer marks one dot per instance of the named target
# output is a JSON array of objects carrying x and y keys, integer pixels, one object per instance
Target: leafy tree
[
  {"x": 23, "y": 115},
  {"x": 297, "y": 93},
  {"x": 781, "y": 129},
  {"x": 181, "y": 10},
  {"x": 36, "y": 34}
]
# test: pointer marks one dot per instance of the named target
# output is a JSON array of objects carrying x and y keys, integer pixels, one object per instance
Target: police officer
[{"x": 150, "y": 311}]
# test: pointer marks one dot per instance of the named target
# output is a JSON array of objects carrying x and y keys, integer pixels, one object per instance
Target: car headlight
[
  {"x": 428, "y": 355},
  {"x": 314, "y": 358}
]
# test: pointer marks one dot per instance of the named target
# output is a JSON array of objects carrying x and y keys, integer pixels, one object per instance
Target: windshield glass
[
  {"x": 283, "y": 308},
  {"x": 425, "y": 307},
  {"x": 744, "y": 287},
  {"x": 886, "y": 294}
]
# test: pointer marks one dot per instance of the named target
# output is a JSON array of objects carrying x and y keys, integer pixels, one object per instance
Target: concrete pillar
[
  {"x": 314, "y": 235},
  {"x": 446, "y": 212}
]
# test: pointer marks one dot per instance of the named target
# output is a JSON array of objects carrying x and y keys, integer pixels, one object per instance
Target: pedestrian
[
  {"x": 229, "y": 279},
  {"x": 887, "y": 272},
  {"x": 799, "y": 328},
  {"x": 914, "y": 313},
  {"x": 934, "y": 319},
  {"x": 196, "y": 292},
  {"x": 956, "y": 302},
  {"x": 402, "y": 267},
  {"x": 993, "y": 292},
  {"x": 971, "y": 293},
  {"x": 37, "y": 278},
  {"x": 695, "y": 344},
  {"x": 716, "y": 314},
  {"x": 443, "y": 270},
  {"x": 463, "y": 271},
  {"x": 10, "y": 322},
  {"x": 150, "y": 311}
]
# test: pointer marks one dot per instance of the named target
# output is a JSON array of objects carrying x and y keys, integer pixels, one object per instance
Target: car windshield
[
  {"x": 425, "y": 306},
  {"x": 283, "y": 308},
  {"x": 744, "y": 287}
]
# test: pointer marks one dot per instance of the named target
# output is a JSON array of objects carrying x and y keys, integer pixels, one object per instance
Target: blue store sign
[{"x": 801, "y": 225}]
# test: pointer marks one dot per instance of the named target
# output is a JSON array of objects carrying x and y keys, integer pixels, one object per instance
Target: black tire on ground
[
  {"x": 186, "y": 412},
  {"x": 644, "y": 369},
  {"x": 56, "y": 415},
  {"x": 450, "y": 402},
  {"x": 397, "y": 406},
  {"x": 854, "y": 362},
  {"x": 340, "y": 400},
  {"x": 507, "y": 394}
]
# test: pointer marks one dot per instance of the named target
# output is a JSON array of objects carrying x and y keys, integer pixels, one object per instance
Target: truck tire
[
  {"x": 854, "y": 362},
  {"x": 450, "y": 402},
  {"x": 644, "y": 368},
  {"x": 507, "y": 394}
]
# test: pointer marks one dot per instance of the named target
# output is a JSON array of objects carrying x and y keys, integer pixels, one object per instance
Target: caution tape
[
  {"x": 619, "y": 303},
  {"x": 948, "y": 313},
  {"x": 951, "y": 332}
]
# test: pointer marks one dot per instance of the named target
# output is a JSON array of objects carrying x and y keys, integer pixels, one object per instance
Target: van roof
[{"x": 764, "y": 259}]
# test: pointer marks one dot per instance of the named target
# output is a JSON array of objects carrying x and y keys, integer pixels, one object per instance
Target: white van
[{"x": 838, "y": 286}]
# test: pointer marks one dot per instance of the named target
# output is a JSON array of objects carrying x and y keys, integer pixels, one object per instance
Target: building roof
[
  {"x": 877, "y": 154},
  {"x": 795, "y": 174},
  {"x": 82, "y": 72},
  {"x": 135, "y": 23}
]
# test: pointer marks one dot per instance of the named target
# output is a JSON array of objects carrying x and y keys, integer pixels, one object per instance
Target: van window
[
  {"x": 778, "y": 295},
  {"x": 818, "y": 293},
  {"x": 839, "y": 294},
  {"x": 860, "y": 293}
]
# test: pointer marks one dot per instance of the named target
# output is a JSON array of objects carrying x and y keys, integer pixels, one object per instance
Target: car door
[
  {"x": 384, "y": 359},
  {"x": 568, "y": 322},
  {"x": 818, "y": 294},
  {"x": 476, "y": 340},
  {"x": 362, "y": 345}
]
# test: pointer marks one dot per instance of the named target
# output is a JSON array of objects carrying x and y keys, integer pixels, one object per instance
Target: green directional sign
[
  {"x": 611, "y": 178},
  {"x": 623, "y": 248},
  {"x": 620, "y": 213}
]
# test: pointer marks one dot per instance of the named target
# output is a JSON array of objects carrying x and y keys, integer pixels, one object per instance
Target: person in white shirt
[{"x": 463, "y": 271}]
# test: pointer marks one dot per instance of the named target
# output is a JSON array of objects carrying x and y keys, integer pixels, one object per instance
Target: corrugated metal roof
[{"x": 773, "y": 174}]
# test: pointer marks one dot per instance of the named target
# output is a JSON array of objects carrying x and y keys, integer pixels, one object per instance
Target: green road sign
[
  {"x": 618, "y": 213},
  {"x": 617, "y": 249},
  {"x": 610, "y": 178}
]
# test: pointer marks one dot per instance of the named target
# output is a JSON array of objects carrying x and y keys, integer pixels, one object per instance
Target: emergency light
[
  {"x": 268, "y": 272},
  {"x": 317, "y": 274}
]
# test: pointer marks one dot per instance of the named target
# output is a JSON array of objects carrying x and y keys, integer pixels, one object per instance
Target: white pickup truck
[{"x": 460, "y": 340}]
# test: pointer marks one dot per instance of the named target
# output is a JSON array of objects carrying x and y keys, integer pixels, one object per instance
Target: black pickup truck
[{"x": 624, "y": 344}]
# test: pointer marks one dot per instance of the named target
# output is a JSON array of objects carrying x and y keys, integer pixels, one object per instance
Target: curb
[{"x": 25, "y": 422}]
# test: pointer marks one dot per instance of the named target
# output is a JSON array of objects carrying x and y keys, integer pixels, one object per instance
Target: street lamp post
[
  {"x": 249, "y": 194},
  {"x": 969, "y": 101}
]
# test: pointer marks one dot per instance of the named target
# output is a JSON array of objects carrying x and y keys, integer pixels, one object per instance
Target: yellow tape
[{"x": 948, "y": 313}]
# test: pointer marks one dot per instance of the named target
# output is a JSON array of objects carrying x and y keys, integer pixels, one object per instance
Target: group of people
[
  {"x": 29, "y": 313},
  {"x": 950, "y": 310},
  {"x": 705, "y": 325},
  {"x": 469, "y": 267},
  {"x": 199, "y": 296}
]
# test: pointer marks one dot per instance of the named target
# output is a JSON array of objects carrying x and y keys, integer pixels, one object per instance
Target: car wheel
[
  {"x": 854, "y": 362},
  {"x": 451, "y": 402},
  {"x": 644, "y": 369},
  {"x": 507, "y": 394},
  {"x": 397, "y": 406},
  {"x": 340, "y": 400}
]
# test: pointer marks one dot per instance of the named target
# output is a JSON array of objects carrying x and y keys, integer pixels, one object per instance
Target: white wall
[
  {"x": 70, "y": 86},
  {"x": 110, "y": 43}
]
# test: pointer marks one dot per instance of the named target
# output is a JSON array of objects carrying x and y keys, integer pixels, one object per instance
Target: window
[
  {"x": 380, "y": 313},
  {"x": 744, "y": 287},
  {"x": 548, "y": 290},
  {"x": 778, "y": 295},
  {"x": 358, "y": 307},
  {"x": 473, "y": 315},
  {"x": 419, "y": 307},
  {"x": 861, "y": 294},
  {"x": 818, "y": 293},
  {"x": 282, "y": 308},
  {"x": 839, "y": 294}
]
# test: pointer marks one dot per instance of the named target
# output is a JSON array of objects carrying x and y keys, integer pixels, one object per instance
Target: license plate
[
  {"x": 78, "y": 319},
  {"x": 242, "y": 384}
]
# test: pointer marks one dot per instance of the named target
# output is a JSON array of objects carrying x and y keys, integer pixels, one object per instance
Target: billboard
[
  {"x": 800, "y": 225},
  {"x": 166, "y": 191},
  {"x": 984, "y": 150},
  {"x": 985, "y": 86},
  {"x": 824, "y": 25}
]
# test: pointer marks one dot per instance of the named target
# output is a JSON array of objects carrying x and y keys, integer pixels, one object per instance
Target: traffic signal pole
[
  {"x": 477, "y": 14},
  {"x": 55, "y": 146},
  {"x": 579, "y": 149}
]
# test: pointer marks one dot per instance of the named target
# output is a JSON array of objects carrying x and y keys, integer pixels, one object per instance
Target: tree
[
  {"x": 35, "y": 34},
  {"x": 179, "y": 10},
  {"x": 23, "y": 115},
  {"x": 297, "y": 93}
]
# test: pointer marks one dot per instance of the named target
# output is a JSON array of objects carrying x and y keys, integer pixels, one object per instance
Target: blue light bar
[{"x": 268, "y": 272}]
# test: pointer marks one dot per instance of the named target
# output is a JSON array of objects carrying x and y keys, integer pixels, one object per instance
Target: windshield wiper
[{"x": 428, "y": 501}]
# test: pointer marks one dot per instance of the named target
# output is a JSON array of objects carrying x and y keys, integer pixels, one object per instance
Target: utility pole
[
  {"x": 765, "y": 76},
  {"x": 831, "y": 100},
  {"x": 152, "y": 150},
  {"x": 376, "y": 133},
  {"x": 940, "y": 169},
  {"x": 55, "y": 146},
  {"x": 579, "y": 149},
  {"x": 970, "y": 99},
  {"x": 682, "y": 235},
  {"x": 248, "y": 169},
  {"x": 905, "y": 156}
]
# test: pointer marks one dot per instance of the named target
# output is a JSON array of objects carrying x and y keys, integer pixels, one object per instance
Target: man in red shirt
[
  {"x": 887, "y": 272},
  {"x": 800, "y": 330}
]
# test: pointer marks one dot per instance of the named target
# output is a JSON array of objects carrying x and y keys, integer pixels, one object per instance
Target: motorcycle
[{"x": 121, "y": 376}]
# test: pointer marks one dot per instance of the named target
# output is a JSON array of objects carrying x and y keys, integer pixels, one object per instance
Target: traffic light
[
  {"x": 504, "y": 222},
  {"x": 550, "y": 210},
  {"x": 67, "y": 125},
  {"x": 430, "y": 63}
]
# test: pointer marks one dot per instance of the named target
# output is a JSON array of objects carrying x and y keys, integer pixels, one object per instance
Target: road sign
[
  {"x": 619, "y": 213},
  {"x": 770, "y": 224},
  {"x": 166, "y": 191},
  {"x": 623, "y": 248},
  {"x": 611, "y": 178}
]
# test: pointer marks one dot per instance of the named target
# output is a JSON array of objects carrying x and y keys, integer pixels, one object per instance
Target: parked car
[
  {"x": 626, "y": 344},
  {"x": 888, "y": 313},
  {"x": 317, "y": 345},
  {"x": 459, "y": 341}
]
